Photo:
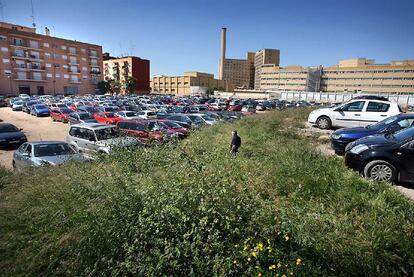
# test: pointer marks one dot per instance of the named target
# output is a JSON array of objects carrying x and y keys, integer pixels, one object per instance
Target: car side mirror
[{"x": 21, "y": 129}]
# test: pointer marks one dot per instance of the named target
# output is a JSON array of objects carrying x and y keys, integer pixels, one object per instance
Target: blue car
[
  {"x": 40, "y": 110},
  {"x": 342, "y": 137}
]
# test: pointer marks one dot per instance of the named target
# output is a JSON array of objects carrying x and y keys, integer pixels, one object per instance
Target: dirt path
[{"x": 35, "y": 128}]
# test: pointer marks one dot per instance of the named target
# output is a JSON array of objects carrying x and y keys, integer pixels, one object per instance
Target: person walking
[{"x": 235, "y": 144}]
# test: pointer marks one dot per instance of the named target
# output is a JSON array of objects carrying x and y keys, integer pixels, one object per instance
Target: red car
[
  {"x": 107, "y": 117},
  {"x": 61, "y": 114},
  {"x": 138, "y": 129},
  {"x": 173, "y": 128},
  {"x": 235, "y": 108}
]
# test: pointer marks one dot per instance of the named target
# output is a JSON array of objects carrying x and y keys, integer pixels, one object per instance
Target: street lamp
[{"x": 10, "y": 81}]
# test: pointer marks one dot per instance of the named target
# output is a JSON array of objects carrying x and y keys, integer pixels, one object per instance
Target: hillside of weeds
[{"x": 279, "y": 209}]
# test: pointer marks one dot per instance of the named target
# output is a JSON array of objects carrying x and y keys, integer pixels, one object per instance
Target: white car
[
  {"x": 127, "y": 115},
  {"x": 147, "y": 114},
  {"x": 355, "y": 113}
]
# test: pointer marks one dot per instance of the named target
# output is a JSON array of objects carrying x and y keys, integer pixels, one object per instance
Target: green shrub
[{"x": 188, "y": 209}]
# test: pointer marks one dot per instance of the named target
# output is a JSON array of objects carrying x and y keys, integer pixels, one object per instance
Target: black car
[
  {"x": 388, "y": 157},
  {"x": 10, "y": 135},
  {"x": 3, "y": 102}
]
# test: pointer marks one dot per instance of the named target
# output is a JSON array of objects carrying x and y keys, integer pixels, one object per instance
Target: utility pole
[{"x": 33, "y": 21}]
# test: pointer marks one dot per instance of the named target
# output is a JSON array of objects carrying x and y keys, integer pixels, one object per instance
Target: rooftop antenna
[
  {"x": 33, "y": 24},
  {"x": 2, "y": 11},
  {"x": 131, "y": 48}
]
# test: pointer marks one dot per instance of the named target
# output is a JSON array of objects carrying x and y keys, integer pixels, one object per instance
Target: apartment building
[
  {"x": 262, "y": 59},
  {"x": 33, "y": 63},
  {"x": 118, "y": 69},
  {"x": 363, "y": 75},
  {"x": 189, "y": 83}
]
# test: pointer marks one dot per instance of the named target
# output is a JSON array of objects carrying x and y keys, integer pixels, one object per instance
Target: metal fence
[{"x": 325, "y": 97}]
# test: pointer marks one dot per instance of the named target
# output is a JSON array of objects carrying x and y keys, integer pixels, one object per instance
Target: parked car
[
  {"x": 58, "y": 105},
  {"x": 3, "y": 102},
  {"x": 81, "y": 117},
  {"x": 355, "y": 113},
  {"x": 386, "y": 157},
  {"x": 96, "y": 138},
  {"x": 182, "y": 120},
  {"x": 10, "y": 135},
  {"x": 17, "y": 105},
  {"x": 28, "y": 105},
  {"x": 235, "y": 108},
  {"x": 108, "y": 109},
  {"x": 168, "y": 128},
  {"x": 200, "y": 118},
  {"x": 342, "y": 137},
  {"x": 88, "y": 109},
  {"x": 137, "y": 129},
  {"x": 127, "y": 115},
  {"x": 40, "y": 110},
  {"x": 61, "y": 114},
  {"x": 107, "y": 117},
  {"x": 35, "y": 154},
  {"x": 147, "y": 114},
  {"x": 248, "y": 109}
]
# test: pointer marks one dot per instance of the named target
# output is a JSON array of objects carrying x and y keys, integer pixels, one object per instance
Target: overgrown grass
[{"x": 182, "y": 209}]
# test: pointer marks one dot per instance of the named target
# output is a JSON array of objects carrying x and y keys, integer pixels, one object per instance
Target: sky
[{"x": 184, "y": 35}]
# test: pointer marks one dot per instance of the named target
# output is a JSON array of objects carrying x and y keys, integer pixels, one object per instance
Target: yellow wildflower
[
  {"x": 254, "y": 254},
  {"x": 235, "y": 262},
  {"x": 286, "y": 238},
  {"x": 283, "y": 275},
  {"x": 279, "y": 265},
  {"x": 298, "y": 261},
  {"x": 259, "y": 274},
  {"x": 260, "y": 246},
  {"x": 249, "y": 259}
]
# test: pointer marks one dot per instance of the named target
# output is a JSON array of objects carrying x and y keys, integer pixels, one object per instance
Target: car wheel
[
  {"x": 380, "y": 171},
  {"x": 323, "y": 122},
  {"x": 53, "y": 119}
]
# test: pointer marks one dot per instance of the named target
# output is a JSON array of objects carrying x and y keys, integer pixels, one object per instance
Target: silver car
[
  {"x": 35, "y": 154},
  {"x": 96, "y": 138}
]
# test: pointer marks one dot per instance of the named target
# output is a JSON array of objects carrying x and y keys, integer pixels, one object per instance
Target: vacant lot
[
  {"x": 35, "y": 128},
  {"x": 281, "y": 207}
]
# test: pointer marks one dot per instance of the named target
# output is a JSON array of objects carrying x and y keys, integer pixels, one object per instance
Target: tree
[
  {"x": 130, "y": 84},
  {"x": 115, "y": 87},
  {"x": 104, "y": 86}
]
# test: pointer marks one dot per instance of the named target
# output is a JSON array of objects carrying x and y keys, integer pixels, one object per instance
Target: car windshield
[
  {"x": 151, "y": 114},
  {"x": 7, "y": 128},
  {"x": 138, "y": 127},
  {"x": 383, "y": 123},
  {"x": 54, "y": 149},
  {"x": 111, "y": 115},
  {"x": 61, "y": 105},
  {"x": 85, "y": 116},
  {"x": 65, "y": 110},
  {"x": 107, "y": 133},
  {"x": 172, "y": 124},
  {"x": 130, "y": 114},
  {"x": 404, "y": 134},
  {"x": 18, "y": 103},
  {"x": 207, "y": 118},
  {"x": 110, "y": 109}
]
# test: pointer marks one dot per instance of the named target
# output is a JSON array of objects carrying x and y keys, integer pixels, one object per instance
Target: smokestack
[
  {"x": 47, "y": 31},
  {"x": 223, "y": 53}
]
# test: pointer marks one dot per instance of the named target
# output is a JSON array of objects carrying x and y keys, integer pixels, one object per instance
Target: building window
[
  {"x": 83, "y": 50},
  {"x": 66, "y": 76},
  {"x": 21, "y": 75},
  {"x": 65, "y": 66},
  {"x": 46, "y": 45},
  {"x": 57, "y": 75},
  {"x": 72, "y": 50},
  {"x": 34, "y": 44},
  {"x": 63, "y": 47},
  {"x": 37, "y": 76},
  {"x": 47, "y": 55},
  {"x": 3, "y": 37},
  {"x": 6, "y": 61},
  {"x": 57, "y": 65},
  {"x": 83, "y": 59},
  {"x": 48, "y": 65},
  {"x": 4, "y": 49},
  {"x": 49, "y": 75},
  {"x": 84, "y": 68},
  {"x": 93, "y": 53},
  {"x": 64, "y": 57},
  {"x": 7, "y": 72},
  {"x": 56, "y": 56}
]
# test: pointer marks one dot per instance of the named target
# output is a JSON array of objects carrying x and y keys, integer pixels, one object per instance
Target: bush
[{"x": 188, "y": 209}]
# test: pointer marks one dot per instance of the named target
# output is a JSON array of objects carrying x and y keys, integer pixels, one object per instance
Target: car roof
[
  {"x": 46, "y": 142},
  {"x": 6, "y": 124},
  {"x": 93, "y": 126}
]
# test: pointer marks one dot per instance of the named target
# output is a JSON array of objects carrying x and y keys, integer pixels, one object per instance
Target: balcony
[
  {"x": 73, "y": 63},
  {"x": 93, "y": 57},
  {"x": 74, "y": 81},
  {"x": 30, "y": 79},
  {"x": 95, "y": 72},
  {"x": 77, "y": 71},
  {"x": 72, "y": 53},
  {"x": 26, "y": 46}
]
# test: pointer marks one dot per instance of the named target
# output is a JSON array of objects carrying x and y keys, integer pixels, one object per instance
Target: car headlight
[
  {"x": 359, "y": 149},
  {"x": 336, "y": 136}
]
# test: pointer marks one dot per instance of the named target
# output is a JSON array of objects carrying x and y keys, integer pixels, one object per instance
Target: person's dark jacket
[{"x": 236, "y": 142}]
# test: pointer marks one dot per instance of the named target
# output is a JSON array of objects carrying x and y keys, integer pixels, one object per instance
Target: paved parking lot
[{"x": 35, "y": 128}]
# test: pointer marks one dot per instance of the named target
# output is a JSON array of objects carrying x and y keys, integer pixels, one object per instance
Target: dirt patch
[{"x": 35, "y": 128}]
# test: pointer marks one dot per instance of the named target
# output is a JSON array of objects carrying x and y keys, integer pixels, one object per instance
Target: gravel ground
[
  {"x": 323, "y": 136},
  {"x": 35, "y": 128}
]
